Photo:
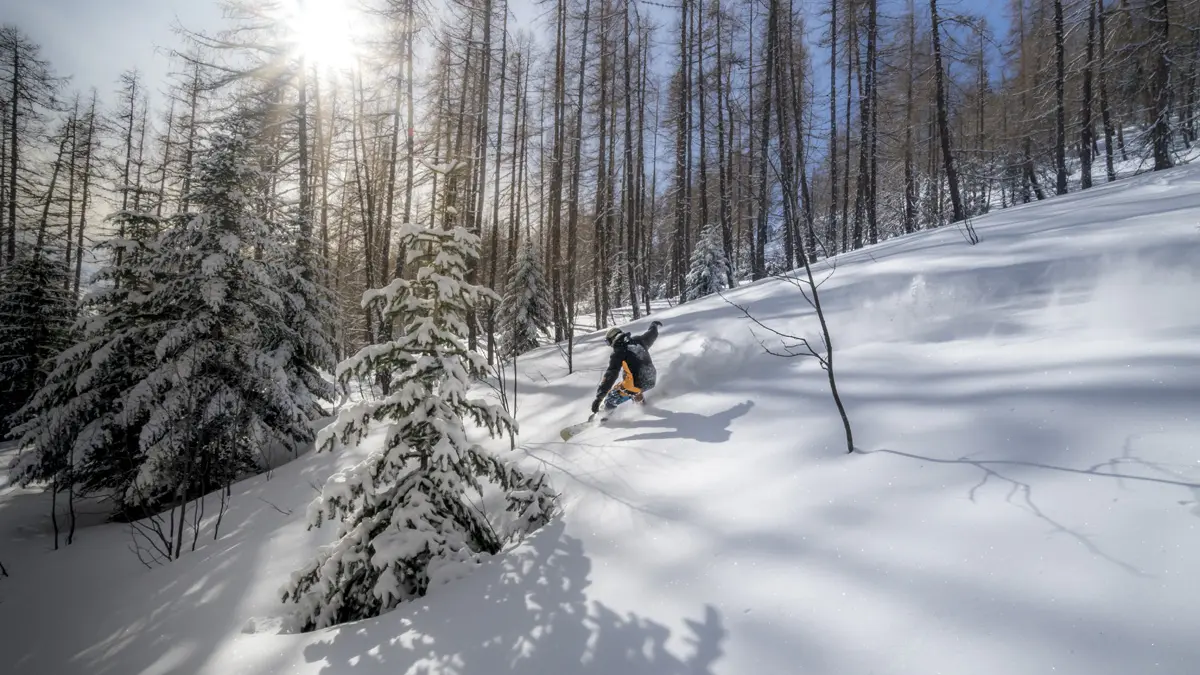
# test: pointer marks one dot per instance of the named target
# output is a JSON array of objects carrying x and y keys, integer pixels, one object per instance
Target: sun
[{"x": 323, "y": 31}]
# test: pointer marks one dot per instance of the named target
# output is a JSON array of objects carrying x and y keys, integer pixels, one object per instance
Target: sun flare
[{"x": 323, "y": 32}]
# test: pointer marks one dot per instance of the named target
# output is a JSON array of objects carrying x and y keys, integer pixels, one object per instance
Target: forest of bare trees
[{"x": 609, "y": 136}]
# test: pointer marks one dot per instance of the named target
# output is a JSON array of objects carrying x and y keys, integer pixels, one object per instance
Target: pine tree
[
  {"x": 303, "y": 345},
  {"x": 36, "y": 313},
  {"x": 68, "y": 432},
  {"x": 219, "y": 390},
  {"x": 72, "y": 431},
  {"x": 406, "y": 519},
  {"x": 526, "y": 311},
  {"x": 708, "y": 273}
]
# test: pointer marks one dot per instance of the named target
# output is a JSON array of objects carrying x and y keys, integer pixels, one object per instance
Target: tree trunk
[
  {"x": 943, "y": 122},
  {"x": 479, "y": 158},
  {"x": 13, "y": 150},
  {"x": 573, "y": 207},
  {"x": 304, "y": 243},
  {"x": 873, "y": 125},
  {"x": 1105, "y": 112},
  {"x": 514, "y": 216},
  {"x": 646, "y": 220},
  {"x": 166, "y": 163},
  {"x": 831, "y": 228},
  {"x": 1030, "y": 175},
  {"x": 88, "y": 148},
  {"x": 554, "y": 199},
  {"x": 1060, "y": 108},
  {"x": 601, "y": 251},
  {"x": 851, "y": 38},
  {"x": 796, "y": 79},
  {"x": 189, "y": 152},
  {"x": 492, "y": 262},
  {"x": 72, "y": 171},
  {"x": 864, "y": 144},
  {"x": 786, "y": 170},
  {"x": 760, "y": 259},
  {"x": 700, "y": 100},
  {"x": 1160, "y": 43},
  {"x": 682, "y": 140},
  {"x": 58, "y": 161},
  {"x": 723, "y": 161},
  {"x": 910, "y": 179},
  {"x": 1086, "y": 139},
  {"x": 629, "y": 189},
  {"x": 3, "y": 176},
  {"x": 365, "y": 194},
  {"x": 409, "y": 130}
]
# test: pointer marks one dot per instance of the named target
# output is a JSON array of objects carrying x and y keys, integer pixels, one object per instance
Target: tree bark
[
  {"x": 943, "y": 122},
  {"x": 796, "y": 78},
  {"x": 304, "y": 243},
  {"x": 514, "y": 217},
  {"x": 554, "y": 199},
  {"x": 1160, "y": 132},
  {"x": 910, "y": 179},
  {"x": 723, "y": 165},
  {"x": 73, "y": 171},
  {"x": 573, "y": 207},
  {"x": 1060, "y": 108},
  {"x": 1086, "y": 136},
  {"x": 57, "y": 168},
  {"x": 629, "y": 189},
  {"x": 88, "y": 148},
  {"x": 190, "y": 148},
  {"x": 760, "y": 259},
  {"x": 831, "y": 228},
  {"x": 493, "y": 258},
  {"x": 700, "y": 101},
  {"x": 14, "y": 150},
  {"x": 1105, "y": 112},
  {"x": 409, "y": 167}
]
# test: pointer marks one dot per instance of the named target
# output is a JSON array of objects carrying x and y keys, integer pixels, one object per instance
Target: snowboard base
[{"x": 570, "y": 432}]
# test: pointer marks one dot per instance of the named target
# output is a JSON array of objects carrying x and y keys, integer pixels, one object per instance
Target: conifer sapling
[{"x": 407, "y": 514}]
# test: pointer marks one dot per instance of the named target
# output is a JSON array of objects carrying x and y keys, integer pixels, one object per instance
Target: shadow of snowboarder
[{"x": 690, "y": 426}]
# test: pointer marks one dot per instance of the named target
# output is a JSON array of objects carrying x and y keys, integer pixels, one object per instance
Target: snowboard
[
  {"x": 596, "y": 419},
  {"x": 570, "y": 432}
]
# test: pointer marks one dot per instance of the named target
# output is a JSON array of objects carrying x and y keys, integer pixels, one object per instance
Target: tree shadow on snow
[
  {"x": 690, "y": 426},
  {"x": 171, "y": 618},
  {"x": 1021, "y": 492},
  {"x": 521, "y": 612}
]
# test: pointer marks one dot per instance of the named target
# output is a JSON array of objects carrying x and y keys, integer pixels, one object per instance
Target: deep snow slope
[{"x": 1025, "y": 499}]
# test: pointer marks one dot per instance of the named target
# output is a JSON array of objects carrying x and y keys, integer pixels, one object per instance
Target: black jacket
[{"x": 634, "y": 352}]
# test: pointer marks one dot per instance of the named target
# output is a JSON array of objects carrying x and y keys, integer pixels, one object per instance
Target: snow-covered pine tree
[
  {"x": 707, "y": 274},
  {"x": 407, "y": 514},
  {"x": 526, "y": 311},
  {"x": 304, "y": 346},
  {"x": 218, "y": 393},
  {"x": 36, "y": 313},
  {"x": 73, "y": 424}
]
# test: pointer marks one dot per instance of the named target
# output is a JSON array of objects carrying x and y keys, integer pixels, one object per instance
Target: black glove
[
  {"x": 596, "y": 406},
  {"x": 654, "y": 324}
]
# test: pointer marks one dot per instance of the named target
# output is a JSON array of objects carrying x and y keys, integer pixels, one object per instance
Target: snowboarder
[{"x": 630, "y": 359}]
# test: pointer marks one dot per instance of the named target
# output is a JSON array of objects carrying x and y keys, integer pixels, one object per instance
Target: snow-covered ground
[{"x": 1025, "y": 499}]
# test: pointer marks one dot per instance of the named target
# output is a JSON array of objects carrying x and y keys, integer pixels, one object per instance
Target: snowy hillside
[{"x": 1026, "y": 498}]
